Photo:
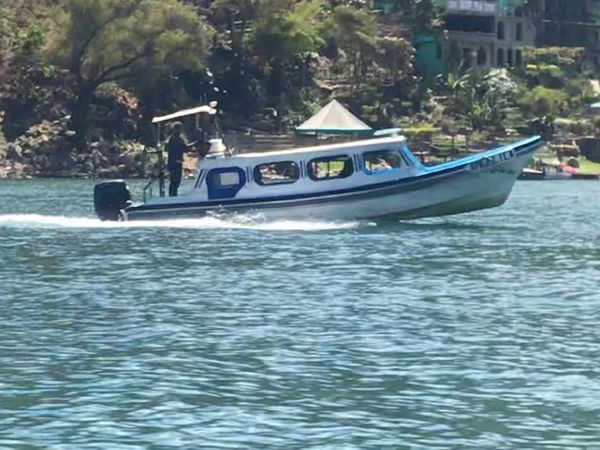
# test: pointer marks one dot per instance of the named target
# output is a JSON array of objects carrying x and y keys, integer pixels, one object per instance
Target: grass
[{"x": 588, "y": 167}]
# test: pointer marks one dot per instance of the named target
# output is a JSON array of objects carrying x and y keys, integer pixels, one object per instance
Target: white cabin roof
[{"x": 330, "y": 148}]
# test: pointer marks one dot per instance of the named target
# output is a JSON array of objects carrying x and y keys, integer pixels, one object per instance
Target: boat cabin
[
  {"x": 225, "y": 176},
  {"x": 302, "y": 171}
]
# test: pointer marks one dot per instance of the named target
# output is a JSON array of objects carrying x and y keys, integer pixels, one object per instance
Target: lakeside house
[{"x": 492, "y": 33}]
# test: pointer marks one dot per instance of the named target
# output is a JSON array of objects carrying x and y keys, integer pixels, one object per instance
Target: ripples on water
[{"x": 476, "y": 331}]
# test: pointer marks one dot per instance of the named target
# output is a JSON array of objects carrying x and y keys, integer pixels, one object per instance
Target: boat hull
[{"x": 464, "y": 188}]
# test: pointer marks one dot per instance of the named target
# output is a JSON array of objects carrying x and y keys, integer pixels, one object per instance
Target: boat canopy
[
  {"x": 204, "y": 109},
  {"x": 334, "y": 119},
  {"x": 361, "y": 146}
]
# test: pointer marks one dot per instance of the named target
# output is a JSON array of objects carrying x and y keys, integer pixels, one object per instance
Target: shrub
[
  {"x": 548, "y": 75},
  {"x": 542, "y": 101},
  {"x": 558, "y": 56}
]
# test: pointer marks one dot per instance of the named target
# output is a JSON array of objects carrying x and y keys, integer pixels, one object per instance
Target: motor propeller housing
[{"x": 110, "y": 198}]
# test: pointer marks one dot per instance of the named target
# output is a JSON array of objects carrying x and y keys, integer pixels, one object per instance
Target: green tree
[
  {"x": 395, "y": 57},
  {"x": 234, "y": 17},
  {"x": 103, "y": 41},
  {"x": 281, "y": 40},
  {"x": 542, "y": 101},
  {"x": 481, "y": 96},
  {"x": 419, "y": 16},
  {"x": 356, "y": 31},
  {"x": 282, "y": 36}
]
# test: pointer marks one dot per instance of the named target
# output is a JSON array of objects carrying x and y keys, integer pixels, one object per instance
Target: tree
[
  {"x": 282, "y": 36},
  {"x": 422, "y": 16},
  {"x": 542, "y": 101},
  {"x": 481, "y": 96},
  {"x": 395, "y": 56},
  {"x": 103, "y": 41},
  {"x": 356, "y": 31},
  {"x": 234, "y": 16},
  {"x": 6, "y": 30},
  {"x": 281, "y": 40}
]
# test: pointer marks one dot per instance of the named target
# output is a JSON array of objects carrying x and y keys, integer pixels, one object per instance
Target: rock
[
  {"x": 41, "y": 163},
  {"x": 88, "y": 167},
  {"x": 14, "y": 152}
]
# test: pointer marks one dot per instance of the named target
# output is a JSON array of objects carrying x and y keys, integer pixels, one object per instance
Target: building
[
  {"x": 492, "y": 33},
  {"x": 488, "y": 33},
  {"x": 569, "y": 23}
]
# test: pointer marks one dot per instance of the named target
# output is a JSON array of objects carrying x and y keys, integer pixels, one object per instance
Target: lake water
[{"x": 479, "y": 331}]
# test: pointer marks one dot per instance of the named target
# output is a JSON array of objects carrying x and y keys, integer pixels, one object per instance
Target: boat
[
  {"x": 531, "y": 174},
  {"x": 555, "y": 172},
  {"x": 372, "y": 178}
]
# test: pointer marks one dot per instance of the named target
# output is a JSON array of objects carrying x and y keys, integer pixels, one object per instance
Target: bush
[
  {"x": 419, "y": 131},
  {"x": 542, "y": 101},
  {"x": 558, "y": 56},
  {"x": 548, "y": 75}
]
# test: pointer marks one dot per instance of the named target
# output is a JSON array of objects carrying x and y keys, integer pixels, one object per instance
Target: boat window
[
  {"x": 228, "y": 179},
  {"x": 330, "y": 168},
  {"x": 381, "y": 161},
  {"x": 283, "y": 172},
  {"x": 225, "y": 182}
]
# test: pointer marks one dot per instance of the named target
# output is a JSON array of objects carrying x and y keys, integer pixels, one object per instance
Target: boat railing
[
  {"x": 159, "y": 177},
  {"x": 148, "y": 193}
]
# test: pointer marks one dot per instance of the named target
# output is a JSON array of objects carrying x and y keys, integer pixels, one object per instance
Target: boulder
[{"x": 14, "y": 152}]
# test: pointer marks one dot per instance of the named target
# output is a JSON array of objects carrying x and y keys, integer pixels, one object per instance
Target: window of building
[
  {"x": 509, "y": 57},
  {"x": 500, "y": 31},
  {"x": 518, "y": 58},
  {"x": 481, "y": 57},
  {"x": 467, "y": 57},
  {"x": 519, "y": 32},
  {"x": 500, "y": 57},
  {"x": 330, "y": 168},
  {"x": 283, "y": 172},
  {"x": 381, "y": 161}
]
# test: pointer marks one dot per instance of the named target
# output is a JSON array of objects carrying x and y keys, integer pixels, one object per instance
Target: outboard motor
[{"x": 110, "y": 197}]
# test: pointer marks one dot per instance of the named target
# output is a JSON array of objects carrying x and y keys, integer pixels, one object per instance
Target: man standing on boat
[{"x": 176, "y": 147}]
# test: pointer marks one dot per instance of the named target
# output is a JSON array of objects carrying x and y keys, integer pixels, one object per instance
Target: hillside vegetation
[{"x": 80, "y": 80}]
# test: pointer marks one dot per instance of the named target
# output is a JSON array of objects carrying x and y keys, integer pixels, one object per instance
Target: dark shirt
[{"x": 176, "y": 147}]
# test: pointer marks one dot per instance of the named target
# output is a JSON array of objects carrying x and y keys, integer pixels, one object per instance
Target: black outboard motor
[{"x": 110, "y": 197}]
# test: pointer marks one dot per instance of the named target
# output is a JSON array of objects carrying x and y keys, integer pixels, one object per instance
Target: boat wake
[{"x": 205, "y": 223}]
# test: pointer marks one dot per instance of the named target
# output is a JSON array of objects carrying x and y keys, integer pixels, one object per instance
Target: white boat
[{"x": 365, "y": 179}]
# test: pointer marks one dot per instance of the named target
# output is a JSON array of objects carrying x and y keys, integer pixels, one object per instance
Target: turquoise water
[{"x": 478, "y": 331}]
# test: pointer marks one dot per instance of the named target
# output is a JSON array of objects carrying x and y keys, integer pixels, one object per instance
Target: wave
[{"x": 205, "y": 223}]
